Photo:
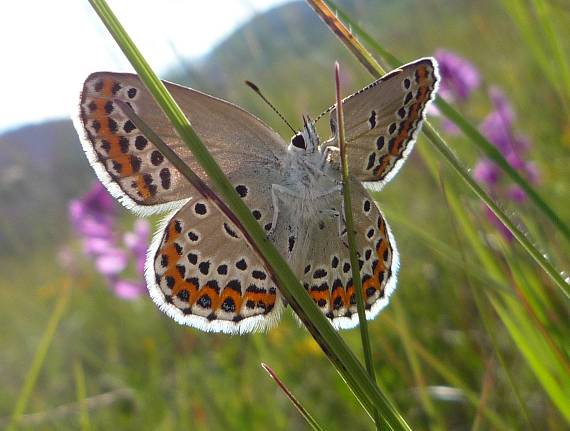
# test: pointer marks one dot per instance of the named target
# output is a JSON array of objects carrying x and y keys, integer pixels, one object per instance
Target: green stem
[
  {"x": 81, "y": 392},
  {"x": 300, "y": 408},
  {"x": 330, "y": 342},
  {"x": 40, "y": 355},
  {"x": 350, "y": 233}
]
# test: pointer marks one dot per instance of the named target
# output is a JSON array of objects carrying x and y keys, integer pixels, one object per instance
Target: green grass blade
[
  {"x": 350, "y": 233},
  {"x": 529, "y": 28},
  {"x": 442, "y": 368},
  {"x": 471, "y": 132},
  {"x": 560, "y": 64},
  {"x": 445, "y": 151},
  {"x": 550, "y": 373},
  {"x": 40, "y": 356},
  {"x": 328, "y": 339},
  {"x": 459, "y": 213},
  {"x": 435, "y": 421},
  {"x": 81, "y": 390},
  {"x": 300, "y": 408},
  {"x": 527, "y": 313}
]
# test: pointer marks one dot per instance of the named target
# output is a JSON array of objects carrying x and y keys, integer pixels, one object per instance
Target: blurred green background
[{"x": 445, "y": 349}]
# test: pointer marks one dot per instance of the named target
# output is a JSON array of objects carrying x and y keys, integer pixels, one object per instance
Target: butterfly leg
[
  {"x": 330, "y": 148},
  {"x": 276, "y": 190},
  {"x": 335, "y": 189}
]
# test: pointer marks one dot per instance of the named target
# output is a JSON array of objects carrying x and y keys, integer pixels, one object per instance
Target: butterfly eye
[{"x": 299, "y": 142}]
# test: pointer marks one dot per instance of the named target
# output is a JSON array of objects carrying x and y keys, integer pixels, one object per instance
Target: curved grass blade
[
  {"x": 442, "y": 368},
  {"x": 446, "y": 109},
  {"x": 534, "y": 347},
  {"x": 332, "y": 21},
  {"x": 458, "y": 213},
  {"x": 328, "y": 339},
  {"x": 40, "y": 356},
  {"x": 81, "y": 391},
  {"x": 534, "y": 23},
  {"x": 350, "y": 232},
  {"x": 300, "y": 408}
]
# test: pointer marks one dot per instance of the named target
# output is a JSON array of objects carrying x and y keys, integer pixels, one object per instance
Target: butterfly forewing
[
  {"x": 383, "y": 119},
  {"x": 134, "y": 170}
]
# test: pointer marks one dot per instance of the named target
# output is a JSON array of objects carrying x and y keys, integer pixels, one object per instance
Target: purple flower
[
  {"x": 486, "y": 172},
  {"x": 93, "y": 214},
  {"x": 499, "y": 128},
  {"x": 532, "y": 173},
  {"x": 112, "y": 262},
  {"x": 516, "y": 194},
  {"x": 94, "y": 218},
  {"x": 95, "y": 246},
  {"x": 459, "y": 77},
  {"x": 137, "y": 242},
  {"x": 498, "y": 224},
  {"x": 127, "y": 289}
]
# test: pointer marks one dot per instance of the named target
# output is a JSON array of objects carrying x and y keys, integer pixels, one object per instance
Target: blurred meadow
[{"x": 476, "y": 336}]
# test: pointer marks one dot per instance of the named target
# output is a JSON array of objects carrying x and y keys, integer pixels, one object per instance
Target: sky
[{"x": 49, "y": 47}]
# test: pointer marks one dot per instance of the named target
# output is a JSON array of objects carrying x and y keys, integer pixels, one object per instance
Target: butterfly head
[{"x": 307, "y": 139}]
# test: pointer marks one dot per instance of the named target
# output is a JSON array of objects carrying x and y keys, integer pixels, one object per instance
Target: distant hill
[
  {"x": 42, "y": 166},
  {"x": 287, "y": 51}
]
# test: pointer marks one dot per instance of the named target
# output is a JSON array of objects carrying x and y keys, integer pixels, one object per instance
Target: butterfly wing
[
  {"x": 133, "y": 170},
  {"x": 326, "y": 271},
  {"x": 383, "y": 120},
  {"x": 203, "y": 273}
]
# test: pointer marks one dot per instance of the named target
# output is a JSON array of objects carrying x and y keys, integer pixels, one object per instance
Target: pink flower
[
  {"x": 459, "y": 77},
  {"x": 486, "y": 172},
  {"x": 94, "y": 218},
  {"x": 505, "y": 232},
  {"x": 137, "y": 242},
  {"x": 127, "y": 289},
  {"x": 112, "y": 262},
  {"x": 516, "y": 194}
]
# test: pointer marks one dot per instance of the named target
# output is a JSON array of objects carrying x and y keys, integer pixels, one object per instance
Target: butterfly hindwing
[
  {"x": 327, "y": 273},
  {"x": 133, "y": 169},
  {"x": 203, "y": 273},
  {"x": 383, "y": 119}
]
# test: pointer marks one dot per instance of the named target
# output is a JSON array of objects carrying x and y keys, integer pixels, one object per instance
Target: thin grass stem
[
  {"x": 81, "y": 391},
  {"x": 481, "y": 307},
  {"x": 350, "y": 233},
  {"x": 444, "y": 371},
  {"x": 40, "y": 355},
  {"x": 300, "y": 408}
]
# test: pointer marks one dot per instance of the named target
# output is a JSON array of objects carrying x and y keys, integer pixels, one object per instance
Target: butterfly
[{"x": 200, "y": 270}]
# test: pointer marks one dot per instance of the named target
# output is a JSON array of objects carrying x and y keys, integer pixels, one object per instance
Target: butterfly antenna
[{"x": 260, "y": 94}]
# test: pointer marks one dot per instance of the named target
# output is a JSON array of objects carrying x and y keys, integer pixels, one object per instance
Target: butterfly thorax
[
  {"x": 306, "y": 172},
  {"x": 307, "y": 195}
]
